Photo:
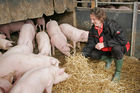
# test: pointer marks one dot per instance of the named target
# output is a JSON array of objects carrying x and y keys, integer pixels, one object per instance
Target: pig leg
[
  {"x": 53, "y": 49},
  {"x": 78, "y": 45},
  {"x": 0, "y": 54},
  {"x": 2, "y": 90},
  {"x": 68, "y": 54},
  {"x": 44, "y": 27},
  {"x": 49, "y": 89},
  {"x": 39, "y": 28},
  {"x": 8, "y": 34},
  {"x": 69, "y": 45},
  {"x": 74, "y": 47},
  {"x": 50, "y": 53},
  {"x": 33, "y": 43}
]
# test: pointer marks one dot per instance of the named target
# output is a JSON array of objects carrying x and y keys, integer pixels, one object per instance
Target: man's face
[{"x": 95, "y": 20}]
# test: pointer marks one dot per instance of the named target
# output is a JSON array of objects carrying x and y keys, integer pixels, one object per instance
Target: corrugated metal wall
[{"x": 16, "y": 10}]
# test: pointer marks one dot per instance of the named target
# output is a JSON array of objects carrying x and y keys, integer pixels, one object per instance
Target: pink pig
[
  {"x": 41, "y": 21},
  {"x": 18, "y": 63},
  {"x": 39, "y": 79},
  {"x": 124, "y": 8},
  {"x": 11, "y": 27},
  {"x": 2, "y": 36},
  {"x": 58, "y": 39},
  {"x": 26, "y": 36},
  {"x": 43, "y": 42},
  {"x": 5, "y": 85},
  {"x": 5, "y": 44},
  {"x": 53, "y": 29},
  {"x": 0, "y": 54},
  {"x": 19, "y": 49},
  {"x": 74, "y": 34}
]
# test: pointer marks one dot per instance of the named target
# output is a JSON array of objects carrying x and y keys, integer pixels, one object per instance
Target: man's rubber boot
[
  {"x": 108, "y": 61},
  {"x": 116, "y": 76}
]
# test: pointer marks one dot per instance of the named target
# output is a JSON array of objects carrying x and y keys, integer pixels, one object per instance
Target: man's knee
[
  {"x": 116, "y": 49},
  {"x": 117, "y": 52},
  {"x": 95, "y": 55}
]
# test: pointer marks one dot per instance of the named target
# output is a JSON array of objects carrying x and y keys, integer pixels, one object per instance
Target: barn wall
[{"x": 16, "y": 10}]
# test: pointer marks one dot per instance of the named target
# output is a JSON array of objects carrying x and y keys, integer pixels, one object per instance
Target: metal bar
[
  {"x": 116, "y": 3},
  {"x": 133, "y": 38},
  {"x": 74, "y": 18},
  {"x": 96, "y": 3},
  {"x": 83, "y": 1},
  {"x": 83, "y": 7}
]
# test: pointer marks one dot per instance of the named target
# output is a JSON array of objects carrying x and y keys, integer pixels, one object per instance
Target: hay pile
[{"x": 86, "y": 77}]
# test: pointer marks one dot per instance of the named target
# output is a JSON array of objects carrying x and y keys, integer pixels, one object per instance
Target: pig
[
  {"x": 53, "y": 29},
  {"x": 41, "y": 21},
  {"x": 26, "y": 35},
  {"x": 124, "y": 8},
  {"x": 29, "y": 21},
  {"x": 39, "y": 79},
  {"x": 19, "y": 49},
  {"x": 5, "y": 44},
  {"x": 43, "y": 42},
  {"x": 58, "y": 42},
  {"x": 11, "y": 27},
  {"x": 74, "y": 34},
  {"x": 0, "y": 54},
  {"x": 58, "y": 39},
  {"x": 18, "y": 63},
  {"x": 5, "y": 85},
  {"x": 2, "y": 36},
  {"x": 2, "y": 90}
]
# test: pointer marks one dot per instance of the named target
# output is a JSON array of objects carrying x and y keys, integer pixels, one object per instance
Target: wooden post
[
  {"x": 133, "y": 38},
  {"x": 74, "y": 15},
  {"x": 93, "y": 4}
]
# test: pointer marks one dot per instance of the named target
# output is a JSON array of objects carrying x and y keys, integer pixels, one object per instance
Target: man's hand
[{"x": 99, "y": 46}]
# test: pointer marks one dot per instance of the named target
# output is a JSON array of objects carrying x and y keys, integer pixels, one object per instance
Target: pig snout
[
  {"x": 61, "y": 76},
  {"x": 84, "y": 36},
  {"x": 55, "y": 62}
]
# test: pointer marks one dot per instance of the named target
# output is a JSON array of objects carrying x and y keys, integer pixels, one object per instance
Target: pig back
[
  {"x": 21, "y": 62},
  {"x": 15, "y": 26}
]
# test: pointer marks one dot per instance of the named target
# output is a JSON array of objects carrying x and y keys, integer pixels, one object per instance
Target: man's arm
[{"x": 117, "y": 34}]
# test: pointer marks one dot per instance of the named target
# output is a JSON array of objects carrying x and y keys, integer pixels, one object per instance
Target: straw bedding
[{"x": 90, "y": 76}]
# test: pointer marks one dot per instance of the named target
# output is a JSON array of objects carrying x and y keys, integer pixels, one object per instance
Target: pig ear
[
  {"x": 47, "y": 25},
  {"x": 61, "y": 71},
  {"x": 83, "y": 35}
]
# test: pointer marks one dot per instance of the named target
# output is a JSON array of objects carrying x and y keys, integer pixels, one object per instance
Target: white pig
[
  {"x": 29, "y": 21},
  {"x": 5, "y": 44},
  {"x": 43, "y": 42},
  {"x": 5, "y": 85},
  {"x": 60, "y": 44},
  {"x": 41, "y": 21},
  {"x": 11, "y": 27},
  {"x": 74, "y": 34},
  {"x": 19, "y": 49},
  {"x": 26, "y": 36},
  {"x": 124, "y": 8},
  {"x": 53, "y": 29},
  {"x": 0, "y": 54},
  {"x": 18, "y": 63},
  {"x": 39, "y": 79},
  {"x": 2, "y": 36},
  {"x": 58, "y": 39}
]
